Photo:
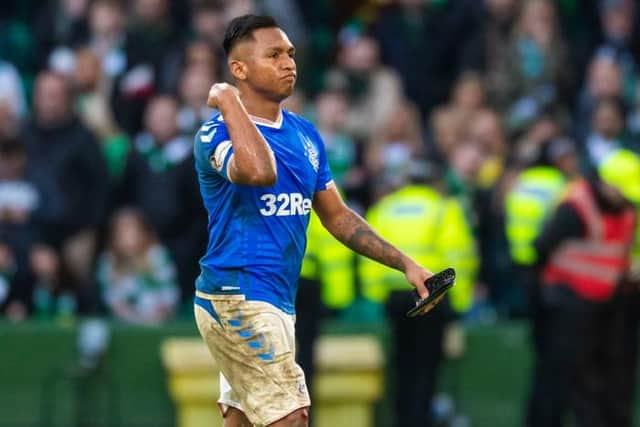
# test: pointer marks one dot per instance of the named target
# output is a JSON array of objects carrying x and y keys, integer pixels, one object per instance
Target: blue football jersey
[{"x": 257, "y": 235}]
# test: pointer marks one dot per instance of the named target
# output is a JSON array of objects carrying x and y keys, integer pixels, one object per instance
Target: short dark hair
[{"x": 242, "y": 28}]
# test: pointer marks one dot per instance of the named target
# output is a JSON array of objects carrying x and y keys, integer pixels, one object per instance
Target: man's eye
[{"x": 273, "y": 55}]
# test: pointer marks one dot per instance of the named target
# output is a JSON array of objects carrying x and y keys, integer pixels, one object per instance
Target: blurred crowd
[{"x": 100, "y": 100}]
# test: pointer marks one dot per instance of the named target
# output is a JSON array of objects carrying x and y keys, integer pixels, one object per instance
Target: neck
[{"x": 261, "y": 107}]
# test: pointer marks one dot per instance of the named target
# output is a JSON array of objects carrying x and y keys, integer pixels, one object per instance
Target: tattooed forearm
[{"x": 357, "y": 235}]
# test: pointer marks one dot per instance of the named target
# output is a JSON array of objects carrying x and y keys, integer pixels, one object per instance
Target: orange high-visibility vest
[{"x": 592, "y": 265}]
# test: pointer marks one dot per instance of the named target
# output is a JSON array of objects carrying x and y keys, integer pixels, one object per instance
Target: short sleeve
[
  {"x": 324, "y": 178},
  {"x": 212, "y": 146}
]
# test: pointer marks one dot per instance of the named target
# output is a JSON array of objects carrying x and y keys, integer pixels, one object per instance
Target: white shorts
[{"x": 254, "y": 345}]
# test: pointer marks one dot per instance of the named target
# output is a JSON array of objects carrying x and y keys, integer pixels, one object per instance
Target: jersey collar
[{"x": 268, "y": 123}]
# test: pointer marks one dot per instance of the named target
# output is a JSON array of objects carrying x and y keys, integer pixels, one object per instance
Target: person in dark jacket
[
  {"x": 67, "y": 153},
  {"x": 159, "y": 180},
  {"x": 26, "y": 203}
]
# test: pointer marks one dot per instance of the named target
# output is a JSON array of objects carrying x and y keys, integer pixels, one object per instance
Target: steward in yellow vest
[
  {"x": 432, "y": 229},
  {"x": 530, "y": 202}
]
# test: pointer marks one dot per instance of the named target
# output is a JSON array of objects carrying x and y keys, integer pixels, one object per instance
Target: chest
[{"x": 298, "y": 161}]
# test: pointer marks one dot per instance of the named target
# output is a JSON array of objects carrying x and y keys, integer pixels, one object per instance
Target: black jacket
[{"x": 71, "y": 158}]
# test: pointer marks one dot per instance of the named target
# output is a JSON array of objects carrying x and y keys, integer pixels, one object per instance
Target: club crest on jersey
[{"x": 310, "y": 151}]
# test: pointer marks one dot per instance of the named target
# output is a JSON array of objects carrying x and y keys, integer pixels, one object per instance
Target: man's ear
[{"x": 238, "y": 69}]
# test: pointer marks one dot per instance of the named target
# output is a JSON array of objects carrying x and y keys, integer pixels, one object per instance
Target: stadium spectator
[
  {"x": 93, "y": 109},
  {"x": 11, "y": 90},
  {"x": 204, "y": 40},
  {"x": 26, "y": 204},
  {"x": 65, "y": 151},
  {"x": 527, "y": 146},
  {"x": 446, "y": 128},
  {"x": 538, "y": 74},
  {"x": 331, "y": 109},
  {"x": 107, "y": 36},
  {"x": 138, "y": 280},
  {"x": 486, "y": 129},
  {"x": 150, "y": 34},
  {"x": 487, "y": 51},
  {"x": 607, "y": 127},
  {"x": 60, "y": 27},
  {"x": 604, "y": 80},
  {"x": 9, "y": 122},
  {"x": 373, "y": 89},
  {"x": 409, "y": 34},
  {"x": 162, "y": 159},
  {"x": 53, "y": 297},
  {"x": 397, "y": 141},
  {"x": 468, "y": 94},
  {"x": 194, "y": 86},
  {"x": 619, "y": 39}
]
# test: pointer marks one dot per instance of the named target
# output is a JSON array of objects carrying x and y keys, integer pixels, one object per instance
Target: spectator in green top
[{"x": 136, "y": 274}]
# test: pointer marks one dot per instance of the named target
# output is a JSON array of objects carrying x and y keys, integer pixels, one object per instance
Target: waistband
[{"x": 220, "y": 297}]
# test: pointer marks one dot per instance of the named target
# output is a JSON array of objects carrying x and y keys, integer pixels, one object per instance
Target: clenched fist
[{"x": 220, "y": 92}]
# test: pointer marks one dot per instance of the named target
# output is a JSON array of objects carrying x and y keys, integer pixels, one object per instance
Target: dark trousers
[
  {"x": 308, "y": 318},
  {"x": 627, "y": 327},
  {"x": 417, "y": 354},
  {"x": 578, "y": 362}
]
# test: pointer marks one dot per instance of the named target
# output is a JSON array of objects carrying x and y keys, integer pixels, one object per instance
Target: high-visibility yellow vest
[
  {"x": 431, "y": 229},
  {"x": 528, "y": 204},
  {"x": 330, "y": 262}
]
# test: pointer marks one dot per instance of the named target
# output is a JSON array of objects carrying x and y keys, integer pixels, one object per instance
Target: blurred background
[{"x": 101, "y": 222}]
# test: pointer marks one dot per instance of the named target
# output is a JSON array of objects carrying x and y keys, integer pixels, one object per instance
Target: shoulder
[{"x": 210, "y": 129}]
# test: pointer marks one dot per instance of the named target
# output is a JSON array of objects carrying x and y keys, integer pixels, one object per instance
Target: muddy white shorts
[{"x": 253, "y": 342}]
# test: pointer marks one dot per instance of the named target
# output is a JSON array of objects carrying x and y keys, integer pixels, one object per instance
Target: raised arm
[
  {"x": 354, "y": 232},
  {"x": 253, "y": 162}
]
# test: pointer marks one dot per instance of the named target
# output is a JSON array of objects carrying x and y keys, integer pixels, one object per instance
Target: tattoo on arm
[{"x": 358, "y": 235}]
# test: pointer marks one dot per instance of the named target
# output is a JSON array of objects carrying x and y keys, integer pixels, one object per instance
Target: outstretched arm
[
  {"x": 353, "y": 231},
  {"x": 252, "y": 162}
]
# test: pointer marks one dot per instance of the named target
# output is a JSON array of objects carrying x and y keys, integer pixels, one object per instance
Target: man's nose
[{"x": 289, "y": 63}]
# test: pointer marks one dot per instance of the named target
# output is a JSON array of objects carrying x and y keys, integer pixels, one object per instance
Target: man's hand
[
  {"x": 416, "y": 276},
  {"x": 220, "y": 92}
]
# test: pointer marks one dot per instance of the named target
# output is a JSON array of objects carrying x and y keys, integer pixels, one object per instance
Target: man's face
[
  {"x": 266, "y": 63},
  {"x": 209, "y": 25},
  {"x": 106, "y": 19},
  {"x": 160, "y": 119},
  {"x": 607, "y": 121},
  {"x": 604, "y": 78},
  {"x": 360, "y": 55},
  {"x": 51, "y": 100},
  {"x": 618, "y": 21},
  {"x": 11, "y": 165},
  {"x": 194, "y": 85}
]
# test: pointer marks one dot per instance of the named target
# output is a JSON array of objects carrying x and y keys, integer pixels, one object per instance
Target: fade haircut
[{"x": 242, "y": 28}]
